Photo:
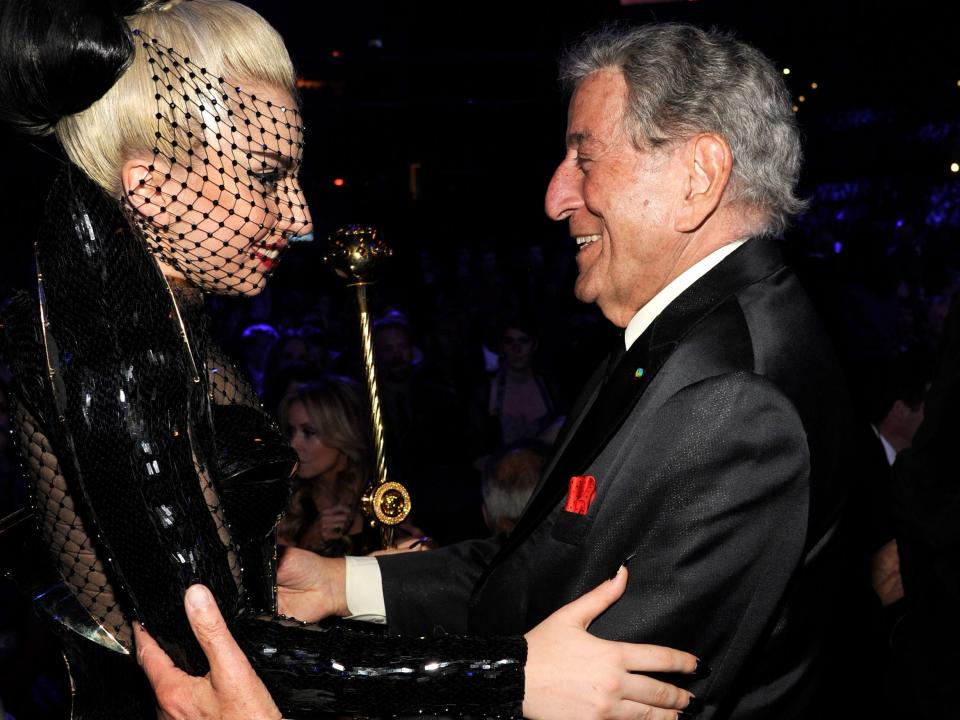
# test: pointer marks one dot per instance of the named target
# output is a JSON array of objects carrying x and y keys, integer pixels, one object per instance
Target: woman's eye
[{"x": 268, "y": 178}]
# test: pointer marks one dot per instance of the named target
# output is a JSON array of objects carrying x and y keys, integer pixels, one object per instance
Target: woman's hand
[
  {"x": 331, "y": 524},
  {"x": 572, "y": 674},
  {"x": 310, "y": 587},
  {"x": 230, "y": 691},
  {"x": 411, "y": 544},
  {"x": 335, "y": 521}
]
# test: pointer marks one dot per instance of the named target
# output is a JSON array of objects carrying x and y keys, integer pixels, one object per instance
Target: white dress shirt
[{"x": 888, "y": 449}]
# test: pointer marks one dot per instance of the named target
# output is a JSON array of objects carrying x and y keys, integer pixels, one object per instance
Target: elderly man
[
  {"x": 704, "y": 452},
  {"x": 706, "y": 448}
]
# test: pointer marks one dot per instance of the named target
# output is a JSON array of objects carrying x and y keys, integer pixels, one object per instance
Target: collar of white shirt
[
  {"x": 887, "y": 447},
  {"x": 659, "y": 302}
]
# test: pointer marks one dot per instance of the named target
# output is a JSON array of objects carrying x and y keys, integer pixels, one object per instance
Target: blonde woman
[{"x": 326, "y": 424}]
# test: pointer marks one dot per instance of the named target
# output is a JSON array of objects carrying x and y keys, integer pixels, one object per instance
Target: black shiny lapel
[{"x": 620, "y": 392}]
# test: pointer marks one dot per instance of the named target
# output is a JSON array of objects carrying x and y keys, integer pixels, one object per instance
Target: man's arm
[
  {"x": 716, "y": 503},
  {"x": 419, "y": 590},
  {"x": 424, "y": 591}
]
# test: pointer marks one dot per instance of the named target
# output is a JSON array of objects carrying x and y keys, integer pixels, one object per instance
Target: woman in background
[
  {"x": 325, "y": 423},
  {"x": 520, "y": 403}
]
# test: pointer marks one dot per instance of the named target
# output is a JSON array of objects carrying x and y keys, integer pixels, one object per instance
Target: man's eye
[{"x": 583, "y": 162}]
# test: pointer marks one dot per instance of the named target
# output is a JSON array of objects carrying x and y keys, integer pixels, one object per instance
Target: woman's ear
[{"x": 143, "y": 184}]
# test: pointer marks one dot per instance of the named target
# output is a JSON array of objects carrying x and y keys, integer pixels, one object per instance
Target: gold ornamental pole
[{"x": 355, "y": 252}]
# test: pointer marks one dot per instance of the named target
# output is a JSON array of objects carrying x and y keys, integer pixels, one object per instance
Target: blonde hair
[
  {"x": 335, "y": 406},
  {"x": 228, "y": 39},
  {"x": 337, "y": 409}
]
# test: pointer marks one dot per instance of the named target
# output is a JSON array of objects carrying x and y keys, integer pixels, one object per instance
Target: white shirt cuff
[{"x": 365, "y": 590}]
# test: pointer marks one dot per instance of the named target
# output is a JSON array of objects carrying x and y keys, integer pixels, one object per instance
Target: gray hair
[{"x": 682, "y": 80}]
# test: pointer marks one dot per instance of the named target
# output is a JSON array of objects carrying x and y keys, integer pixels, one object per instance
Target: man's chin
[{"x": 582, "y": 291}]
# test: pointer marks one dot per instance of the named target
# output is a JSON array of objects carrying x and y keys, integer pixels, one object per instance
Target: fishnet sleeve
[
  {"x": 63, "y": 531},
  {"x": 228, "y": 386},
  {"x": 73, "y": 550}
]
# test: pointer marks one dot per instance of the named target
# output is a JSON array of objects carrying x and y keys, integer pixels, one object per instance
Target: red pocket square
[{"x": 582, "y": 491}]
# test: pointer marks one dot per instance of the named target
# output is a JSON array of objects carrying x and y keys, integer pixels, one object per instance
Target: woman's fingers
[
  {"x": 584, "y": 610},
  {"x": 656, "y": 658},
  {"x": 335, "y": 522},
  {"x": 654, "y": 693},
  {"x": 573, "y": 675},
  {"x": 338, "y": 509},
  {"x": 636, "y": 711}
]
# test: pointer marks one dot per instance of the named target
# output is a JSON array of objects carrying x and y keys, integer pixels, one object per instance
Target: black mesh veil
[
  {"x": 221, "y": 198},
  {"x": 151, "y": 464}
]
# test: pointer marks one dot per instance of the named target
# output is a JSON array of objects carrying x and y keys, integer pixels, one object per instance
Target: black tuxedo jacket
[{"x": 718, "y": 473}]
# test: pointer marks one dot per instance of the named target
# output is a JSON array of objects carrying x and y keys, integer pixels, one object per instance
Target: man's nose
[{"x": 563, "y": 192}]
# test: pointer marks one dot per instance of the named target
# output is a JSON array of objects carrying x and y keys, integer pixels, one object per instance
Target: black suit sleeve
[
  {"x": 715, "y": 503},
  {"x": 429, "y": 590}
]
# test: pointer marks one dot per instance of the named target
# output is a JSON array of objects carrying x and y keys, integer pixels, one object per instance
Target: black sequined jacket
[{"x": 152, "y": 467}]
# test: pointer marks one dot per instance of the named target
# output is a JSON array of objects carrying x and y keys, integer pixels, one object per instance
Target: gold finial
[{"x": 356, "y": 252}]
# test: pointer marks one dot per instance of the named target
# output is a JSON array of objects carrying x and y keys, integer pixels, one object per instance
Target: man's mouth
[{"x": 584, "y": 240}]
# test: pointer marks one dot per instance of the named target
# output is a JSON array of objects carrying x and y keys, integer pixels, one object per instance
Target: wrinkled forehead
[{"x": 237, "y": 116}]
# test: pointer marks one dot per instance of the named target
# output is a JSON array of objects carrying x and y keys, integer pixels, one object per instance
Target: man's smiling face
[{"x": 619, "y": 201}]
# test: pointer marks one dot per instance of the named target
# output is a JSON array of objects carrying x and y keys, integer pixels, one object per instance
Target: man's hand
[
  {"x": 230, "y": 691},
  {"x": 572, "y": 674},
  {"x": 310, "y": 587},
  {"x": 885, "y": 574}
]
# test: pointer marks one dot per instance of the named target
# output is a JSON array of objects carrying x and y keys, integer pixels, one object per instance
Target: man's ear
[
  {"x": 143, "y": 183},
  {"x": 900, "y": 409},
  {"x": 708, "y": 163}
]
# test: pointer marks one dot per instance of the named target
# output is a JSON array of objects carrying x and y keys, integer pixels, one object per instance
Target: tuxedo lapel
[
  {"x": 584, "y": 402},
  {"x": 619, "y": 391},
  {"x": 616, "y": 393}
]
